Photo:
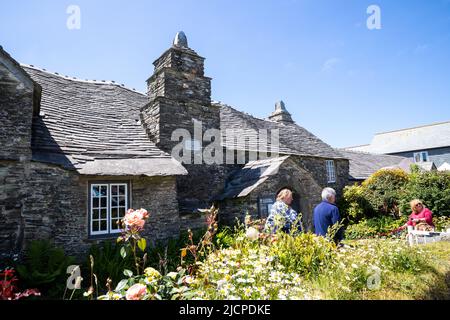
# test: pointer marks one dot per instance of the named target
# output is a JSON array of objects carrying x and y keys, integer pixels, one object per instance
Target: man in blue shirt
[{"x": 326, "y": 214}]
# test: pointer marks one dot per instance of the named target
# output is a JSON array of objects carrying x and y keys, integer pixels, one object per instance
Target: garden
[{"x": 243, "y": 262}]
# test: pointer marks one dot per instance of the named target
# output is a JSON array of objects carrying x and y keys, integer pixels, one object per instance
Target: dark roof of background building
[
  {"x": 364, "y": 164},
  {"x": 253, "y": 174},
  {"x": 90, "y": 126},
  {"x": 293, "y": 139}
]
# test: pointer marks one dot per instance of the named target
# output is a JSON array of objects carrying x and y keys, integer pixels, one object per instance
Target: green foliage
[
  {"x": 354, "y": 205},
  {"x": 108, "y": 263},
  {"x": 384, "y": 190},
  {"x": 373, "y": 227},
  {"x": 441, "y": 223},
  {"x": 45, "y": 268},
  {"x": 433, "y": 188},
  {"x": 389, "y": 192},
  {"x": 304, "y": 266},
  {"x": 224, "y": 238},
  {"x": 305, "y": 254},
  {"x": 167, "y": 256}
]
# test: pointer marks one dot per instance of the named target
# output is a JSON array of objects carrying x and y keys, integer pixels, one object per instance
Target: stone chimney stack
[
  {"x": 180, "y": 98},
  {"x": 179, "y": 74},
  {"x": 281, "y": 114}
]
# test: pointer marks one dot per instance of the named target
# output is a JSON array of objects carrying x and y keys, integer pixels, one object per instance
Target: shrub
[
  {"x": 384, "y": 189},
  {"x": 378, "y": 226},
  {"x": 45, "y": 268},
  {"x": 388, "y": 193},
  {"x": 433, "y": 188},
  {"x": 441, "y": 223},
  {"x": 354, "y": 205},
  {"x": 304, "y": 254}
]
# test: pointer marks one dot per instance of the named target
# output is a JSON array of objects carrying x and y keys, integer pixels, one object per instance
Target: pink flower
[
  {"x": 135, "y": 219},
  {"x": 136, "y": 292}
]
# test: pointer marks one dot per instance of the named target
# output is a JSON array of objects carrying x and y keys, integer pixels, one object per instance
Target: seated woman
[
  {"x": 281, "y": 214},
  {"x": 421, "y": 217}
]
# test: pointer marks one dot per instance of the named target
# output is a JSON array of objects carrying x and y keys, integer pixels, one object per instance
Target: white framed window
[
  {"x": 421, "y": 156},
  {"x": 108, "y": 205},
  {"x": 331, "y": 171}
]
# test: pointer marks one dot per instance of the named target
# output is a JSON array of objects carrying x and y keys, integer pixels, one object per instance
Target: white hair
[{"x": 327, "y": 193}]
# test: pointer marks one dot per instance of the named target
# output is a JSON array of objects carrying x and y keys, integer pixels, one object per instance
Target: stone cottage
[{"x": 76, "y": 154}]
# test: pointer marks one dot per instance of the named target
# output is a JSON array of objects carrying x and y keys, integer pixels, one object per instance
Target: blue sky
[{"x": 340, "y": 80}]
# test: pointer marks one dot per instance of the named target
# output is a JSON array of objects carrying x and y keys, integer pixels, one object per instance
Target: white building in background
[{"x": 428, "y": 145}]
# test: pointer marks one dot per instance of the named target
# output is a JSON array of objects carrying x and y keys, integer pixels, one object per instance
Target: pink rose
[
  {"x": 136, "y": 292},
  {"x": 134, "y": 219}
]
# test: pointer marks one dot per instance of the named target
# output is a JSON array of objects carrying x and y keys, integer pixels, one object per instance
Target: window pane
[
  {"x": 114, "y": 201},
  {"x": 103, "y": 214},
  {"x": 95, "y": 214},
  {"x": 113, "y": 189},
  {"x": 104, "y": 190},
  {"x": 114, "y": 225},
  {"x": 121, "y": 212},
  {"x": 103, "y": 225},
  {"x": 95, "y": 203},
  {"x": 103, "y": 202},
  {"x": 424, "y": 156},
  {"x": 122, "y": 190},
  {"x": 122, "y": 201},
  {"x": 416, "y": 157},
  {"x": 95, "y": 191},
  {"x": 95, "y": 225}
]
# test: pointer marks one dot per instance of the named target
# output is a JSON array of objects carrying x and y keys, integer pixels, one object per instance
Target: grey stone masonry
[
  {"x": 180, "y": 96},
  {"x": 16, "y": 111}
]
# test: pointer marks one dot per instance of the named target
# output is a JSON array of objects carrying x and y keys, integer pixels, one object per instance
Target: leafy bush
[
  {"x": 389, "y": 192},
  {"x": 373, "y": 227},
  {"x": 384, "y": 189},
  {"x": 354, "y": 205},
  {"x": 45, "y": 268},
  {"x": 304, "y": 254},
  {"x": 441, "y": 223},
  {"x": 433, "y": 188}
]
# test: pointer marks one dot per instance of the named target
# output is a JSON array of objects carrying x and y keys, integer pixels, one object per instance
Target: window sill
[{"x": 109, "y": 236}]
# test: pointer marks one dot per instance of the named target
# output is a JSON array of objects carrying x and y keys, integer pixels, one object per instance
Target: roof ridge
[
  {"x": 416, "y": 127},
  {"x": 103, "y": 82},
  {"x": 246, "y": 113},
  {"x": 369, "y": 153}
]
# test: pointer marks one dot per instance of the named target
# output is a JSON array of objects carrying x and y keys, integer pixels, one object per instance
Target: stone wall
[
  {"x": 305, "y": 175},
  {"x": 317, "y": 167},
  {"x": 52, "y": 203},
  {"x": 16, "y": 113}
]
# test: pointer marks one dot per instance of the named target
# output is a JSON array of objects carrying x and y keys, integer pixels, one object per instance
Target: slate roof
[
  {"x": 363, "y": 164},
  {"x": 294, "y": 140},
  {"x": 93, "y": 127},
  {"x": 431, "y": 136},
  {"x": 253, "y": 174}
]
